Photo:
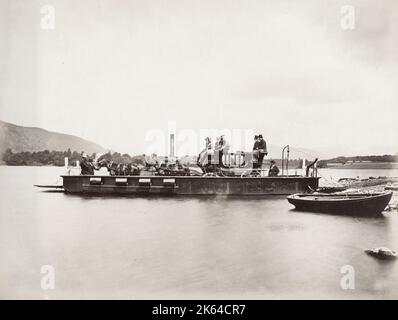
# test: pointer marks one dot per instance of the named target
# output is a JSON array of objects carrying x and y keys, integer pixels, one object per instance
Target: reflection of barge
[{"x": 188, "y": 185}]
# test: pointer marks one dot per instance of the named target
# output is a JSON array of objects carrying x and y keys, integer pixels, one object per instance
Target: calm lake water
[{"x": 217, "y": 247}]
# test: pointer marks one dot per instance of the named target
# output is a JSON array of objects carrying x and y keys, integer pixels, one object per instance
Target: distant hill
[
  {"x": 19, "y": 138},
  {"x": 30, "y": 139}
]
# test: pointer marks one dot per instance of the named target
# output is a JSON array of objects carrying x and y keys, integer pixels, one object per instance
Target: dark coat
[
  {"x": 262, "y": 145},
  {"x": 273, "y": 171},
  {"x": 86, "y": 167},
  {"x": 255, "y": 146}
]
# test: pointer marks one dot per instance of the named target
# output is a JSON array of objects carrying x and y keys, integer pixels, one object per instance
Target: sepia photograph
[{"x": 198, "y": 150}]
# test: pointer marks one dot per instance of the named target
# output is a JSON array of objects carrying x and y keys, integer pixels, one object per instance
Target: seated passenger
[
  {"x": 273, "y": 170},
  {"x": 179, "y": 165},
  {"x": 165, "y": 163}
]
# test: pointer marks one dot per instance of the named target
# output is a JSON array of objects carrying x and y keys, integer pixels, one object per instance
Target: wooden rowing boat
[{"x": 364, "y": 204}]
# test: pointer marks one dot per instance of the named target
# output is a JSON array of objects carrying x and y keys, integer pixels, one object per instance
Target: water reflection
[{"x": 178, "y": 247}]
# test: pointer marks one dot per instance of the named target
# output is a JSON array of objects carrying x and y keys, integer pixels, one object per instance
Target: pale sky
[{"x": 111, "y": 71}]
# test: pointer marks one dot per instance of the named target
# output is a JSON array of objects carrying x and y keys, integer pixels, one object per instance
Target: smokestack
[{"x": 172, "y": 145}]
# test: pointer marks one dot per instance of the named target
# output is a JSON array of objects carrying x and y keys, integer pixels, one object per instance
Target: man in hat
[
  {"x": 86, "y": 167},
  {"x": 223, "y": 148},
  {"x": 255, "y": 146},
  {"x": 262, "y": 150},
  {"x": 255, "y": 152},
  {"x": 273, "y": 169}
]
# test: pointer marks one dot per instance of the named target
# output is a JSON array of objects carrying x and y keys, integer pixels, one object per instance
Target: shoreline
[{"x": 365, "y": 166}]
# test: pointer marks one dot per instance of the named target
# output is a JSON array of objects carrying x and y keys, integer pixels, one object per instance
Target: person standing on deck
[
  {"x": 86, "y": 167},
  {"x": 206, "y": 154},
  {"x": 255, "y": 146},
  {"x": 255, "y": 152},
  {"x": 262, "y": 150},
  {"x": 222, "y": 149}
]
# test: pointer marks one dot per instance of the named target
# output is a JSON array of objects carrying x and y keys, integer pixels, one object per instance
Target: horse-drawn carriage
[
  {"x": 238, "y": 164},
  {"x": 164, "y": 167}
]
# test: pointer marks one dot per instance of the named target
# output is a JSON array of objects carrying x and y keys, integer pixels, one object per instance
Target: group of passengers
[
  {"x": 213, "y": 154},
  {"x": 259, "y": 152},
  {"x": 171, "y": 168},
  {"x": 171, "y": 165},
  {"x": 210, "y": 155}
]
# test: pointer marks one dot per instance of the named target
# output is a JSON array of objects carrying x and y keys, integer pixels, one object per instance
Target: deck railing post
[{"x": 287, "y": 148}]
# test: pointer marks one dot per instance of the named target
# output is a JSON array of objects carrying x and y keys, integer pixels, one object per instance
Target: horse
[{"x": 118, "y": 169}]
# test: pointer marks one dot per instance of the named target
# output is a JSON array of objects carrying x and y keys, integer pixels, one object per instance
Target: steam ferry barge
[
  {"x": 188, "y": 185},
  {"x": 239, "y": 175},
  {"x": 233, "y": 179}
]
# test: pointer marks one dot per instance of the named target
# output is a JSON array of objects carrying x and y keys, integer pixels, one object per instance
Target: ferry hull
[{"x": 187, "y": 185}]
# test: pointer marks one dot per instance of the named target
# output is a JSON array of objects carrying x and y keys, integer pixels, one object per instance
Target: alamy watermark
[
  {"x": 347, "y": 281},
  {"x": 189, "y": 141},
  {"x": 47, "y": 21},
  {"x": 347, "y": 20},
  {"x": 47, "y": 280}
]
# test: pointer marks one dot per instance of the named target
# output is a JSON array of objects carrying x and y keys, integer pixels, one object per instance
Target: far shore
[{"x": 364, "y": 165}]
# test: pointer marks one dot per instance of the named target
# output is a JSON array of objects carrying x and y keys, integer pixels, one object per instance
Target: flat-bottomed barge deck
[{"x": 188, "y": 185}]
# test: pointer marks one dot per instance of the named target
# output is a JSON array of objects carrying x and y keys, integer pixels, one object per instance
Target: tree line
[{"x": 56, "y": 158}]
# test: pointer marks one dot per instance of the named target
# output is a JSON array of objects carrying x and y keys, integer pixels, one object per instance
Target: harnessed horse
[{"x": 118, "y": 169}]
